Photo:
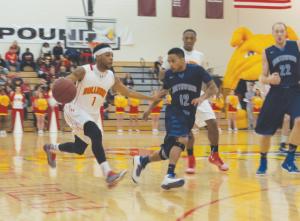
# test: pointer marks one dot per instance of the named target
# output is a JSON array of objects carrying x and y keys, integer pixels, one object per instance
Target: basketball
[{"x": 64, "y": 91}]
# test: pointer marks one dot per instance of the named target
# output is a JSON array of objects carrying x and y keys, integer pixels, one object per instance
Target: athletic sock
[
  {"x": 190, "y": 152},
  {"x": 171, "y": 169},
  {"x": 214, "y": 148},
  {"x": 283, "y": 139},
  {"x": 54, "y": 148},
  {"x": 263, "y": 156},
  {"x": 144, "y": 161},
  {"x": 292, "y": 149},
  {"x": 105, "y": 168}
]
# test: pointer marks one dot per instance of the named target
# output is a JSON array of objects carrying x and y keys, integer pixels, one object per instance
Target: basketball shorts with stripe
[
  {"x": 177, "y": 124},
  {"x": 278, "y": 102},
  {"x": 76, "y": 118}
]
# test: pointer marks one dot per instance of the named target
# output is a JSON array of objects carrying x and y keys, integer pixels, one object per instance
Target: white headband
[{"x": 102, "y": 51}]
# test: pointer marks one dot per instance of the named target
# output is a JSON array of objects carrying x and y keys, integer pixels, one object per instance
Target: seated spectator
[
  {"x": 8, "y": 81},
  {"x": 53, "y": 61},
  {"x": 111, "y": 95},
  {"x": 46, "y": 50},
  {"x": 157, "y": 66},
  {"x": 58, "y": 50},
  {"x": 73, "y": 55},
  {"x": 43, "y": 83},
  {"x": 39, "y": 63},
  {"x": 28, "y": 59},
  {"x": 26, "y": 89},
  {"x": 46, "y": 69},
  {"x": 128, "y": 81},
  {"x": 71, "y": 64},
  {"x": 17, "y": 48},
  {"x": 86, "y": 57},
  {"x": 11, "y": 58},
  {"x": 2, "y": 79},
  {"x": 51, "y": 75},
  {"x": 63, "y": 72},
  {"x": 3, "y": 68},
  {"x": 72, "y": 69},
  {"x": 17, "y": 81},
  {"x": 106, "y": 107},
  {"x": 62, "y": 62}
]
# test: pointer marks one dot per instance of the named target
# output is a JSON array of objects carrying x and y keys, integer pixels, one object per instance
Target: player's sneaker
[
  {"x": 170, "y": 181},
  {"x": 282, "y": 148},
  {"x": 137, "y": 130},
  {"x": 289, "y": 164},
  {"x": 229, "y": 129},
  {"x": 137, "y": 169},
  {"x": 129, "y": 130},
  {"x": 51, "y": 157},
  {"x": 191, "y": 166},
  {"x": 262, "y": 168},
  {"x": 114, "y": 178},
  {"x": 214, "y": 158}
]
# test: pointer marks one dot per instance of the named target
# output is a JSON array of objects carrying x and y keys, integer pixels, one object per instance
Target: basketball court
[{"x": 76, "y": 189}]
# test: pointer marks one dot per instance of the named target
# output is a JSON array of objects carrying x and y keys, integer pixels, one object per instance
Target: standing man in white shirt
[{"x": 204, "y": 114}]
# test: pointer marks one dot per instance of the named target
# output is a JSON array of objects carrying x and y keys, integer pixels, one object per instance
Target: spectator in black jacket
[
  {"x": 58, "y": 50},
  {"x": 128, "y": 81},
  {"x": 3, "y": 68},
  {"x": 27, "y": 60}
]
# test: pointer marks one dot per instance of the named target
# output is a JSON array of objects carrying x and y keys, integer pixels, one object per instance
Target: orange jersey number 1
[{"x": 94, "y": 101}]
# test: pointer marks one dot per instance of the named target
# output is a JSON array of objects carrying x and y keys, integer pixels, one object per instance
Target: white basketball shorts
[
  {"x": 76, "y": 118},
  {"x": 204, "y": 112}
]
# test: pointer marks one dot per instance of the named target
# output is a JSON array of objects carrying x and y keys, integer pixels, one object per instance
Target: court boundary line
[{"x": 185, "y": 215}]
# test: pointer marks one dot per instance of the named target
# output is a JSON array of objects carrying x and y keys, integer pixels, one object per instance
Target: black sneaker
[{"x": 282, "y": 148}]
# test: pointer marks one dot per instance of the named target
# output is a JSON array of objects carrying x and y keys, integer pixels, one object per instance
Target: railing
[{"x": 142, "y": 61}]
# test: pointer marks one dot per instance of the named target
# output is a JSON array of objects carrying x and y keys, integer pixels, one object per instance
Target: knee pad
[
  {"x": 181, "y": 145},
  {"x": 161, "y": 155}
]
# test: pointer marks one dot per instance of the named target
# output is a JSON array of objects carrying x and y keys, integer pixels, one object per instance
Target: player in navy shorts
[
  {"x": 282, "y": 62},
  {"x": 184, "y": 82}
]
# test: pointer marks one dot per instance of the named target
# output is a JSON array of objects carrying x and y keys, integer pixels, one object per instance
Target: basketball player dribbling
[
  {"x": 93, "y": 82},
  {"x": 204, "y": 114},
  {"x": 184, "y": 82},
  {"x": 280, "y": 69}
]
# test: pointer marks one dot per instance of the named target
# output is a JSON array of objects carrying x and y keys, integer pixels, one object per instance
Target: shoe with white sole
[
  {"x": 137, "y": 169},
  {"x": 51, "y": 157},
  {"x": 114, "y": 178},
  {"x": 170, "y": 181}
]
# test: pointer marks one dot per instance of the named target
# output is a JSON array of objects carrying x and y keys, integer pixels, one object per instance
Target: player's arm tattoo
[
  {"x": 211, "y": 89},
  {"x": 77, "y": 75}
]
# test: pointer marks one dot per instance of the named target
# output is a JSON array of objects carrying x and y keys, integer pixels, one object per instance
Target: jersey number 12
[{"x": 184, "y": 99}]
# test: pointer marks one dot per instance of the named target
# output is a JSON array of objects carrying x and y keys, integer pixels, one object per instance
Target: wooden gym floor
[{"x": 76, "y": 190}]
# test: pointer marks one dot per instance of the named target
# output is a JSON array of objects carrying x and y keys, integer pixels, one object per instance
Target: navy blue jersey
[
  {"x": 185, "y": 87},
  {"x": 285, "y": 61}
]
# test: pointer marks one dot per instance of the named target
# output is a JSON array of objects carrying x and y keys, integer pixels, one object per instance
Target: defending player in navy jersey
[
  {"x": 280, "y": 69},
  {"x": 184, "y": 82}
]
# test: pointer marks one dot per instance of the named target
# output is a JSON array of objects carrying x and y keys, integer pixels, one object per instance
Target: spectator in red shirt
[
  {"x": 11, "y": 58},
  {"x": 46, "y": 69},
  {"x": 51, "y": 75},
  {"x": 27, "y": 59},
  {"x": 26, "y": 89},
  {"x": 62, "y": 62}
]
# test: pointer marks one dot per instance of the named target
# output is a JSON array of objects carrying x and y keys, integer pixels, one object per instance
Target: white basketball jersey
[
  {"x": 92, "y": 90},
  {"x": 191, "y": 57}
]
